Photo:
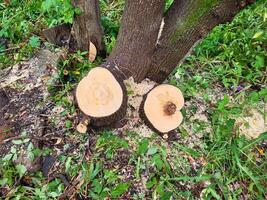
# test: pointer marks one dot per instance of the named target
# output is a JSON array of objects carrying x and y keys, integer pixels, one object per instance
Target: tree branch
[{"x": 186, "y": 22}]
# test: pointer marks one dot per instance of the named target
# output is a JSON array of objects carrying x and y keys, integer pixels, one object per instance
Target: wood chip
[{"x": 92, "y": 52}]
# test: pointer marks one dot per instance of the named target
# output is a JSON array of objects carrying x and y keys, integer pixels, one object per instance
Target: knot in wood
[{"x": 169, "y": 108}]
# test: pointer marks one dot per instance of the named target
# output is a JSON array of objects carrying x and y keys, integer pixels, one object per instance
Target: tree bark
[
  {"x": 137, "y": 38},
  {"x": 86, "y": 26},
  {"x": 186, "y": 22}
]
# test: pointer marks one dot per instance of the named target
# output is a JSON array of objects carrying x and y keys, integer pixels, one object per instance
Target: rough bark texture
[
  {"x": 149, "y": 44},
  {"x": 186, "y": 22},
  {"x": 137, "y": 37},
  {"x": 86, "y": 26}
]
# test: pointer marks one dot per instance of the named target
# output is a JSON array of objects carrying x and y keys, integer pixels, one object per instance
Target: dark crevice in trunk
[{"x": 86, "y": 27}]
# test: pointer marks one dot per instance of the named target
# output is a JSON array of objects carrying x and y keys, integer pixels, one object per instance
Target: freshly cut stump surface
[
  {"x": 92, "y": 52},
  {"x": 101, "y": 96},
  {"x": 162, "y": 107}
]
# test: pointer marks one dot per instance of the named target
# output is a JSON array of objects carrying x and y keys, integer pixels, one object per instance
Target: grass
[{"x": 225, "y": 75}]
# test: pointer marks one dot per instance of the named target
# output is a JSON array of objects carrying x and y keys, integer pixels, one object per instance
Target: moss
[{"x": 199, "y": 9}]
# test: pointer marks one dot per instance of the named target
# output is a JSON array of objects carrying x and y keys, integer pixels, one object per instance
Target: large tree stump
[{"x": 102, "y": 97}]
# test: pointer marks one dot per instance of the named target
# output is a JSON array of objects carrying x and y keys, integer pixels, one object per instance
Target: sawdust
[
  {"x": 252, "y": 125},
  {"x": 31, "y": 74},
  {"x": 25, "y": 87},
  {"x": 136, "y": 92}
]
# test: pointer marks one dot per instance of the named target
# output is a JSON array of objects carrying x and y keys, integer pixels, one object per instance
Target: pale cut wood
[
  {"x": 162, "y": 107},
  {"x": 99, "y": 94},
  {"x": 92, "y": 52},
  {"x": 82, "y": 126}
]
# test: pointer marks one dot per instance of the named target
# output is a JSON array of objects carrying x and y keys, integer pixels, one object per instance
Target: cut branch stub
[
  {"x": 102, "y": 96},
  {"x": 92, "y": 52},
  {"x": 161, "y": 108}
]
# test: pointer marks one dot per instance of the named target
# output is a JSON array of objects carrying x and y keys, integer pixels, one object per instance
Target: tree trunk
[
  {"x": 86, "y": 26},
  {"x": 137, "y": 38},
  {"x": 150, "y": 45},
  {"x": 186, "y": 22}
]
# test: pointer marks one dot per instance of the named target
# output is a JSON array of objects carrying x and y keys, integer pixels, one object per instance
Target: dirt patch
[
  {"x": 23, "y": 93},
  {"x": 253, "y": 124},
  {"x": 4, "y": 100},
  {"x": 5, "y": 132}
]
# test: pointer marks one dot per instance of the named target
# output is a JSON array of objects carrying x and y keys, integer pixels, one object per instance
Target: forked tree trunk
[
  {"x": 187, "y": 22},
  {"x": 150, "y": 44}
]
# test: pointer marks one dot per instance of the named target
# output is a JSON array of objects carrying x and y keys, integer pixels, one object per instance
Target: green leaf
[
  {"x": 188, "y": 150},
  {"x": 34, "y": 42},
  {"x": 158, "y": 162},
  {"x": 151, "y": 183},
  {"x": 260, "y": 62},
  {"x": 21, "y": 169},
  {"x": 254, "y": 97},
  {"x": 47, "y": 4},
  {"x": 39, "y": 193},
  {"x": 68, "y": 124},
  {"x": 119, "y": 190},
  {"x": 54, "y": 194},
  {"x": 3, "y": 181},
  {"x": 97, "y": 186},
  {"x": 257, "y": 35},
  {"x": 152, "y": 151},
  {"x": 160, "y": 188},
  {"x": 17, "y": 142},
  {"x": 94, "y": 170},
  {"x": 68, "y": 164},
  {"x": 166, "y": 196},
  {"x": 7, "y": 157},
  {"x": 143, "y": 147},
  {"x": 13, "y": 150}
]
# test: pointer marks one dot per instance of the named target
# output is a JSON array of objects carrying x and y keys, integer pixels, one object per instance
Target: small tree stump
[
  {"x": 102, "y": 97},
  {"x": 161, "y": 107}
]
